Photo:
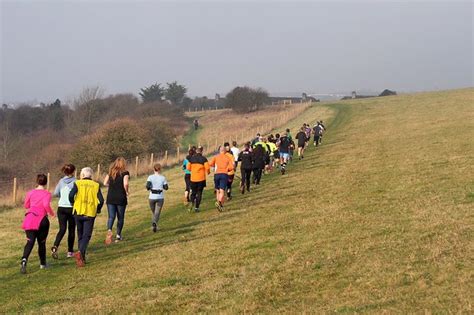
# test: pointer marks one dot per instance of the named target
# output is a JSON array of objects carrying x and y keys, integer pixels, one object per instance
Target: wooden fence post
[
  {"x": 136, "y": 166},
  {"x": 14, "y": 191},
  {"x": 75, "y": 173},
  {"x": 152, "y": 159},
  {"x": 49, "y": 179},
  {"x": 98, "y": 171},
  {"x": 177, "y": 154},
  {"x": 166, "y": 158},
  {"x": 189, "y": 146}
]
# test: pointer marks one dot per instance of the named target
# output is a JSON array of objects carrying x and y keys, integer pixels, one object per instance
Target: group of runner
[
  {"x": 257, "y": 157},
  {"x": 81, "y": 200}
]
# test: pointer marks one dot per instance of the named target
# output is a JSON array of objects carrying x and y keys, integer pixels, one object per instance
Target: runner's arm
[
  {"x": 101, "y": 201},
  {"x": 72, "y": 194},
  {"x": 47, "y": 205},
  {"x": 27, "y": 203}
]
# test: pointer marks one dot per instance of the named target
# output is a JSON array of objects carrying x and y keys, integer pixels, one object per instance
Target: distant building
[{"x": 387, "y": 92}]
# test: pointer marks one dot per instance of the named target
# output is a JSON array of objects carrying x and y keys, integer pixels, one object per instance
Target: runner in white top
[{"x": 235, "y": 152}]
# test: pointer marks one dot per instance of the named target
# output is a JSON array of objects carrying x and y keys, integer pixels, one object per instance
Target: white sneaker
[
  {"x": 70, "y": 254},
  {"x": 44, "y": 266}
]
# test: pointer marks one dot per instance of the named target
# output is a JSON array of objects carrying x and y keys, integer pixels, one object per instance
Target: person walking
[
  {"x": 290, "y": 148},
  {"x": 36, "y": 224},
  {"x": 117, "y": 197},
  {"x": 199, "y": 167},
  {"x": 273, "y": 150},
  {"x": 222, "y": 164},
  {"x": 284, "y": 145},
  {"x": 307, "y": 130},
  {"x": 246, "y": 166},
  {"x": 323, "y": 129},
  {"x": 317, "y": 129},
  {"x": 230, "y": 173},
  {"x": 187, "y": 176},
  {"x": 65, "y": 216},
  {"x": 301, "y": 137},
  {"x": 235, "y": 153},
  {"x": 87, "y": 201},
  {"x": 258, "y": 163},
  {"x": 156, "y": 184}
]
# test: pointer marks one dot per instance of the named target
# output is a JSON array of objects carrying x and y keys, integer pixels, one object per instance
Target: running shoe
[
  {"x": 242, "y": 189},
  {"x": 23, "y": 266},
  {"x": 219, "y": 206},
  {"x": 108, "y": 238},
  {"x": 79, "y": 261},
  {"x": 70, "y": 254},
  {"x": 118, "y": 238},
  {"x": 54, "y": 252},
  {"x": 155, "y": 228},
  {"x": 44, "y": 266},
  {"x": 282, "y": 171},
  {"x": 196, "y": 210}
]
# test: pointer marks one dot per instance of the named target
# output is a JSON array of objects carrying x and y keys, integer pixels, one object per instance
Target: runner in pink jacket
[{"x": 36, "y": 223}]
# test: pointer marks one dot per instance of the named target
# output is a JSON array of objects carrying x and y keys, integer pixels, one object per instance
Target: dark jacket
[
  {"x": 259, "y": 157},
  {"x": 246, "y": 158}
]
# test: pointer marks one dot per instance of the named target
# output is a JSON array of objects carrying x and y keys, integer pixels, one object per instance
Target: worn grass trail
[{"x": 377, "y": 219}]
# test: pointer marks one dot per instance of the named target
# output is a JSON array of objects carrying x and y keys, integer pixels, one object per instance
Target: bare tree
[{"x": 88, "y": 101}]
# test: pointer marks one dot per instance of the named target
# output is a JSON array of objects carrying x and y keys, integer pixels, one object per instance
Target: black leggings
[
  {"x": 66, "y": 222},
  {"x": 196, "y": 192},
  {"x": 229, "y": 185},
  {"x": 245, "y": 174},
  {"x": 40, "y": 235},
  {"x": 257, "y": 175}
]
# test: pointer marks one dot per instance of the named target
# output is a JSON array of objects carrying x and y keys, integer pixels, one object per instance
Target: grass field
[{"x": 378, "y": 219}]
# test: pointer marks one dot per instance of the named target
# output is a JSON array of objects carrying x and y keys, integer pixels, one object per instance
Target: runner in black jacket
[
  {"x": 258, "y": 163},
  {"x": 246, "y": 166}
]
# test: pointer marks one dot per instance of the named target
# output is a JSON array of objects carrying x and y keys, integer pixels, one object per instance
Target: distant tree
[
  {"x": 260, "y": 98},
  {"x": 175, "y": 93},
  {"x": 245, "y": 99},
  {"x": 187, "y": 102},
  {"x": 152, "y": 93},
  {"x": 56, "y": 115}
]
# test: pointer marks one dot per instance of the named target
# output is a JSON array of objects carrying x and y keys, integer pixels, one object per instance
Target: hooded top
[{"x": 62, "y": 190}]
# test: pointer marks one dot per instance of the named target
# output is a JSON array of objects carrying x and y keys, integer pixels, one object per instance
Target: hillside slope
[{"x": 378, "y": 218}]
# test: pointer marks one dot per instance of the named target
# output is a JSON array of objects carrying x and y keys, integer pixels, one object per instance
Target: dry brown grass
[
  {"x": 377, "y": 220},
  {"x": 225, "y": 125}
]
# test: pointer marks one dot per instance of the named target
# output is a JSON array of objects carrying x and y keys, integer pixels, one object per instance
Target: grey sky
[{"x": 53, "y": 49}]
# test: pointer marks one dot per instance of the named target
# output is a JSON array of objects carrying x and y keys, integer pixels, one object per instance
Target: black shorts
[
  {"x": 301, "y": 145},
  {"x": 187, "y": 180},
  {"x": 198, "y": 185},
  {"x": 276, "y": 154}
]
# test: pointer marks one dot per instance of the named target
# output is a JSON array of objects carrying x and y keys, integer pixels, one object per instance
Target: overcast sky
[{"x": 52, "y": 49}]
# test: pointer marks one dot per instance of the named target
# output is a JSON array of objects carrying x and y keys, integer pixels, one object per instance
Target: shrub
[{"x": 123, "y": 137}]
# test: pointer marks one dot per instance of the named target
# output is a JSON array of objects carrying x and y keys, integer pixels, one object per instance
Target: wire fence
[{"x": 14, "y": 189}]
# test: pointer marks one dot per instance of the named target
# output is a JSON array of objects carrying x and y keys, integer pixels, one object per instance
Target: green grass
[{"x": 378, "y": 219}]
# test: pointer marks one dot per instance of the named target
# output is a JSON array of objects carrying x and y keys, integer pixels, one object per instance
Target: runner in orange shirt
[{"x": 222, "y": 164}]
